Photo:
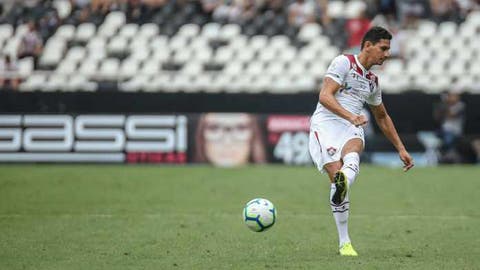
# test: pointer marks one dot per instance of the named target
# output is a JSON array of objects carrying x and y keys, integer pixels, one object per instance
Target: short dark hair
[{"x": 375, "y": 34}]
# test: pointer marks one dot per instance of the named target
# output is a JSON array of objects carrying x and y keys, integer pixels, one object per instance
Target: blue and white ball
[{"x": 259, "y": 214}]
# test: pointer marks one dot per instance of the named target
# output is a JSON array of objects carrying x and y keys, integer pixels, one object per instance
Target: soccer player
[{"x": 336, "y": 133}]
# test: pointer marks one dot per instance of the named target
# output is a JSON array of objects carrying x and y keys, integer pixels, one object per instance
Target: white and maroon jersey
[{"x": 358, "y": 86}]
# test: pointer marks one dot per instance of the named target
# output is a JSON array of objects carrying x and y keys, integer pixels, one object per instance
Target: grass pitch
[{"x": 148, "y": 217}]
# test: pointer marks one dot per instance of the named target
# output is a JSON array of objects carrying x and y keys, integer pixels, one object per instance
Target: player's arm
[
  {"x": 328, "y": 100},
  {"x": 385, "y": 124}
]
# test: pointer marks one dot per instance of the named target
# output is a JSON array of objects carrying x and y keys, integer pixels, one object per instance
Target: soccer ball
[{"x": 259, "y": 214}]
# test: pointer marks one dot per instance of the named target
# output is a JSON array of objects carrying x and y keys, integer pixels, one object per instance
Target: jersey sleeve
[
  {"x": 338, "y": 69},
  {"x": 375, "y": 98}
]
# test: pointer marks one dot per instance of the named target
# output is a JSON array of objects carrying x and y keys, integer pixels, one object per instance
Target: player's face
[{"x": 380, "y": 51}]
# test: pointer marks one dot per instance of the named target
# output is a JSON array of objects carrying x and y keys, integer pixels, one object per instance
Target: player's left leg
[{"x": 343, "y": 178}]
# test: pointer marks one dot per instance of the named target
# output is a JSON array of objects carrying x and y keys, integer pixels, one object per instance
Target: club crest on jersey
[{"x": 331, "y": 150}]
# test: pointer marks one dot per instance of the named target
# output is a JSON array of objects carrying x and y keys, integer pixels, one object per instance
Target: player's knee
[{"x": 351, "y": 161}]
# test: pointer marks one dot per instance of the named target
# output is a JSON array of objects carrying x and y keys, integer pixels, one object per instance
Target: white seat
[
  {"x": 25, "y": 67},
  {"x": 199, "y": 43},
  {"x": 136, "y": 84},
  {"x": 21, "y": 30},
  {"x": 426, "y": 29},
  {"x": 76, "y": 54},
  {"x": 53, "y": 52},
  {"x": 266, "y": 55},
  {"x": 415, "y": 67},
  {"x": 159, "y": 43},
  {"x": 354, "y": 8},
  {"x": 107, "y": 30},
  {"x": 447, "y": 29},
  {"x": 85, "y": 32},
  {"x": 200, "y": 83},
  {"x": 456, "y": 68},
  {"x": 97, "y": 43},
  {"x": 178, "y": 43},
  {"x": 233, "y": 68},
  {"x": 128, "y": 68},
  {"x": 66, "y": 32},
  {"x": 138, "y": 43},
  {"x": 335, "y": 9},
  {"x": 258, "y": 42},
  {"x": 245, "y": 55},
  {"x": 329, "y": 53},
  {"x": 275, "y": 68},
  {"x": 229, "y": 31},
  {"x": 129, "y": 30},
  {"x": 148, "y": 30},
  {"x": 279, "y": 42},
  {"x": 189, "y": 30},
  {"x": 162, "y": 56},
  {"x": 238, "y": 43},
  {"x": 150, "y": 68},
  {"x": 307, "y": 54},
  {"x": 80, "y": 83},
  {"x": 109, "y": 69},
  {"x": 115, "y": 19},
  {"x": 158, "y": 83},
  {"x": 33, "y": 82},
  {"x": 304, "y": 83},
  {"x": 56, "y": 82},
  {"x": 211, "y": 30},
  {"x": 66, "y": 67},
  {"x": 317, "y": 69},
  {"x": 439, "y": 84},
  {"x": 63, "y": 8},
  {"x": 309, "y": 31},
  {"x": 182, "y": 56},
  {"x": 282, "y": 85},
  {"x": 255, "y": 68},
  {"x": 140, "y": 55},
  {"x": 192, "y": 68},
  {"x": 117, "y": 44},
  {"x": 203, "y": 56},
  {"x": 11, "y": 46},
  {"x": 296, "y": 68},
  {"x": 223, "y": 55},
  {"x": 474, "y": 18},
  {"x": 88, "y": 68},
  {"x": 6, "y": 31},
  {"x": 394, "y": 67},
  {"x": 287, "y": 55},
  {"x": 436, "y": 67}
]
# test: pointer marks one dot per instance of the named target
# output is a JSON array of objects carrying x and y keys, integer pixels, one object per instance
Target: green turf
[{"x": 148, "y": 217}]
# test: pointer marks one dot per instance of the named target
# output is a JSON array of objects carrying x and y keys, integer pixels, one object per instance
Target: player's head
[{"x": 376, "y": 44}]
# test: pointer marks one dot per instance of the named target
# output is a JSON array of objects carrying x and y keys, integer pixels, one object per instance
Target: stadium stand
[{"x": 235, "y": 46}]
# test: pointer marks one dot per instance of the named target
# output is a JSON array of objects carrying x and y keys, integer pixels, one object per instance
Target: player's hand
[
  {"x": 406, "y": 159},
  {"x": 359, "y": 120}
]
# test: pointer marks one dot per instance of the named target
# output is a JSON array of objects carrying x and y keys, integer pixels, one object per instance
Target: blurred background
[{"x": 227, "y": 82}]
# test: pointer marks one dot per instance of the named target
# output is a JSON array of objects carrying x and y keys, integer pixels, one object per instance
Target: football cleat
[
  {"x": 347, "y": 250},
  {"x": 341, "y": 185}
]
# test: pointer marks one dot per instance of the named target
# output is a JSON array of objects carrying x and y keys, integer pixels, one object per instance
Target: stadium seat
[
  {"x": 33, "y": 82},
  {"x": 229, "y": 31},
  {"x": 129, "y": 31},
  {"x": 309, "y": 31},
  {"x": 6, "y": 31},
  {"x": 335, "y": 9},
  {"x": 109, "y": 69},
  {"x": 66, "y": 32},
  {"x": 85, "y": 32},
  {"x": 63, "y": 7},
  {"x": 148, "y": 30}
]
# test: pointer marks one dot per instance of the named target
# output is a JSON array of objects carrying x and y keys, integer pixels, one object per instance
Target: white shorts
[{"x": 328, "y": 138}]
